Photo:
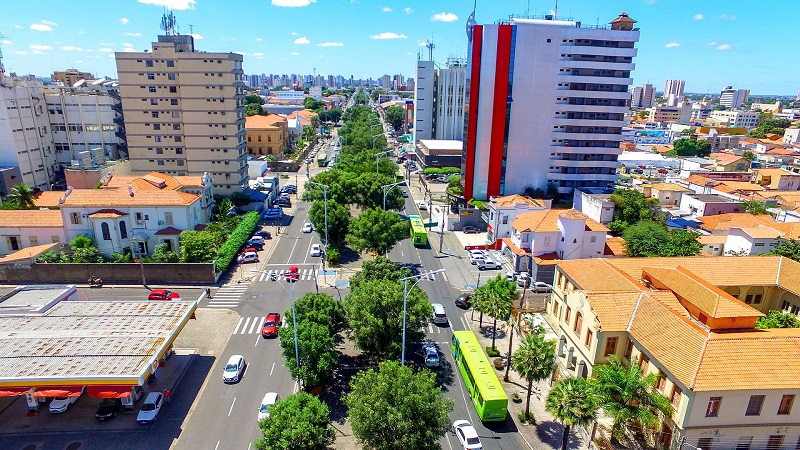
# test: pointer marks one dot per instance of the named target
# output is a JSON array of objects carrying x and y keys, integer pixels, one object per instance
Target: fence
[{"x": 117, "y": 273}]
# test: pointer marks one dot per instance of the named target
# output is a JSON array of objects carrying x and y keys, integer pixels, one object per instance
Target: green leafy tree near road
[
  {"x": 769, "y": 124},
  {"x": 777, "y": 319},
  {"x": 534, "y": 361},
  {"x": 253, "y": 99},
  {"x": 380, "y": 268},
  {"x": 396, "y": 408},
  {"x": 395, "y": 116},
  {"x": 631, "y": 207},
  {"x": 652, "y": 239},
  {"x": 376, "y": 230},
  {"x": 198, "y": 246},
  {"x": 495, "y": 298},
  {"x": 572, "y": 401},
  {"x": 375, "y": 313},
  {"x": 316, "y": 348},
  {"x": 789, "y": 248},
  {"x": 81, "y": 241},
  {"x": 322, "y": 309},
  {"x": 750, "y": 156},
  {"x": 338, "y": 220},
  {"x": 297, "y": 422}
]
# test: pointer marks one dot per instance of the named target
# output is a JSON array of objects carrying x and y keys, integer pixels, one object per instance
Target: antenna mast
[
  {"x": 169, "y": 24},
  {"x": 2, "y": 69},
  {"x": 430, "y": 45},
  {"x": 555, "y": 12}
]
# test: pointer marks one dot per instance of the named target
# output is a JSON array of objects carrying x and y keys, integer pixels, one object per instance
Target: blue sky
[{"x": 709, "y": 43}]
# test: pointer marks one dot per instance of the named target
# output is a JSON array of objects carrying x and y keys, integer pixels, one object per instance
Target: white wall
[
  {"x": 29, "y": 237},
  {"x": 424, "y": 93}
]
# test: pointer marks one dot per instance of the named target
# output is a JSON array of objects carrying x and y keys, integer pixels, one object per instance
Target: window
[
  {"x": 593, "y": 239},
  {"x": 588, "y": 341},
  {"x": 171, "y": 76},
  {"x": 786, "y": 404},
  {"x": 154, "y": 114},
  {"x": 168, "y": 218},
  {"x": 744, "y": 443},
  {"x": 629, "y": 350},
  {"x": 173, "y": 89},
  {"x": 611, "y": 346},
  {"x": 675, "y": 398},
  {"x": 33, "y": 240},
  {"x": 123, "y": 230},
  {"x": 106, "y": 231},
  {"x": 151, "y": 89},
  {"x": 75, "y": 218},
  {"x": 662, "y": 381},
  {"x": 170, "y": 63},
  {"x": 705, "y": 443},
  {"x": 567, "y": 314},
  {"x": 712, "y": 410},
  {"x": 173, "y": 101},
  {"x": 775, "y": 442},
  {"x": 156, "y": 126},
  {"x": 578, "y": 324},
  {"x": 151, "y": 76},
  {"x": 754, "y": 405},
  {"x": 148, "y": 63},
  {"x": 153, "y": 102},
  {"x": 176, "y": 126},
  {"x": 139, "y": 218},
  {"x": 644, "y": 363}
]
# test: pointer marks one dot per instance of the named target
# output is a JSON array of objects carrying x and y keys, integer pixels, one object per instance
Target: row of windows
[
  {"x": 161, "y": 162},
  {"x": 754, "y": 406}
]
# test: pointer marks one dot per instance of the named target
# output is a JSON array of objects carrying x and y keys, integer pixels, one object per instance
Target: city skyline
[{"x": 680, "y": 40}]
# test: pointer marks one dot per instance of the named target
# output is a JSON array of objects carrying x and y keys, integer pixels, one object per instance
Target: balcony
[
  {"x": 596, "y": 65},
  {"x": 566, "y": 77},
  {"x": 572, "y": 163},
  {"x": 587, "y": 94},
  {"x": 601, "y": 51},
  {"x": 589, "y": 122},
  {"x": 587, "y": 136},
  {"x": 567, "y": 107}
]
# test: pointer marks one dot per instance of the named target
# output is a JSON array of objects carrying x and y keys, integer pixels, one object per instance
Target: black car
[
  {"x": 283, "y": 202},
  {"x": 108, "y": 408},
  {"x": 463, "y": 301},
  {"x": 264, "y": 234},
  {"x": 470, "y": 230}
]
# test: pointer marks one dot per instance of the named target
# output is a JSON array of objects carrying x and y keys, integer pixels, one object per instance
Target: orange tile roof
[
  {"x": 154, "y": 181},
  {"x": 669, "y": 187},
  {"x": 774, "y": 172},
  {"x": 781, "y": 151},
  {"x": 510, "y": 244},
  {"x": 711, "y": 239},
  {"x": 546, "y": 220},
  {"x": 731, "y": 186},
  {"x": 598, "y": 275},
  {"x": 614, "y": 309},
  {"x": 46, "y": 199},
  {"x": 663, "y": 148},
  {"x": 119, "y": 198},
  {"x": 511, "y": 200},
  {"x": 107, "y": 214},
  {"x": 28, "y": 252},
  {"x": 762, "y": 232},
  {"x": 31, "y": 218},
  {"x": 615, "y": 246},
  {"x": 700, "y": 180},
  {"x": 724, "y": 158},
  {"x": 262, "y": 122},
  {"x": 724, "y": 222}
]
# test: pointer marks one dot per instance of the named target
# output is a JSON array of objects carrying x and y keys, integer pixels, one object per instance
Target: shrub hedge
[
  {"x": 228, "y": 251},
  {"x": 441, "y": 171}
]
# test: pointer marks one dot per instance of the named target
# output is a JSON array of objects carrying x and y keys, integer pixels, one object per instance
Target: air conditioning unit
[{"x": 160, "y": 222}]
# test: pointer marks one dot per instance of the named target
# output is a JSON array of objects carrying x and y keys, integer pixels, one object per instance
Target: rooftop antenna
[
  {"x": 2, "y": 69},
  {"x": 169, "y": 24},
  {"x": 430, "y": 45},
  {"x": 528, "y": 10},
  {"x": 191, "y": 29},
  {"x": 555, "y": 12}
]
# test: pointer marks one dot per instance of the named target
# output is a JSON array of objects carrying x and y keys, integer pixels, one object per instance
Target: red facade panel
[
  {"x": 472, "y": 125},
  {"x": 499, "y": 109}
]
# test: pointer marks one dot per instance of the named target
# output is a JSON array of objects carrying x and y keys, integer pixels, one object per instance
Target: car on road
[
  {"x": 404, "y": 193},
  {"x": 292, "y": 274},
  {"x": 234, "y": 369},
  {"x": 523, "y": 280},
  {"x": 470, "y": 230},
  {"x": 307, "y": 227},
  {"x": 467, "y": 435},
  {"x": 487, "y": 264},
  {"x": 62, "y": 404},
  {"x": 663, "y": 171},
  {"x": 247, "y": 257},
  {"x": 163, "y": 294},
  {"x": 439, "y": 316},
  {"x": 150, "y": 408},
  {"x": 422, "y": 205},
  {"x": 511, "y": 276},
  {"x": 271, "y": 324},
  {"x": 316, "y": 250},
  {"x": 431, "y": 355},
  {"x": 541, "y": 286},
  {"x": 108, "y": 409},
  {"x": 268, "y": 402},
  {"x": 476, "y": 258},
  {"x": 462, "y": 301}
]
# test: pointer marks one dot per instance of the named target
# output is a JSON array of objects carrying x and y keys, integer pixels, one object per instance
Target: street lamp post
[
  {"x": 384, "y": 191},
  {"x": 407, "y": 291},
  {"x": 378, "y": 158},
  {"x": 294, "y": 314},
  {"x": 325, "y": 196},
  {"x": 374, "y": 138},
  {"x": 519, "y": 310}
]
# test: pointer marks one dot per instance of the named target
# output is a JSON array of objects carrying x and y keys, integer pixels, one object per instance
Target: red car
[
  {"x": 293, "y": 274},
  {"x": 270, "y": 327},
  {"x": 663, "y": 171},
  {"x": 163, "y": 294}
]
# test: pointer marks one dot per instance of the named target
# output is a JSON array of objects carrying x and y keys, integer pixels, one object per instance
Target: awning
[
  {"x": 13, "y": 391},
  {"x": 110, "y": 391},
  {"x": 58, "y": 391}
]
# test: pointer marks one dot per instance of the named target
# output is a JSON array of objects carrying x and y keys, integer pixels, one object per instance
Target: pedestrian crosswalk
[
  {"x": 249, "y": 325},
  {"x": 227, "y": 296},
  {"x": 304, "y": 274}
]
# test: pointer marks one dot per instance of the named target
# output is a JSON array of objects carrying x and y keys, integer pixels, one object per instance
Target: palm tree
[
  {"x": 495, "y": 298},
  {"x": 23, "y": 196},
  {"x": 572, "y": 401},
  {"x": 534, "y": 360},
  {"x": 628, "y": 396}
]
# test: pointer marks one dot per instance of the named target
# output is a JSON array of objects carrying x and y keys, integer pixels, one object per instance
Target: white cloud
[
  {"x": 106, "y": 44},
  {"x": 72, "y": 48},
  {"x": 294, "y": 53},
  {"x": 127, "y": 49},
  {"x": 295, "y": 33},
  {"x": 292, "y": 3},
  {"x": 40, "y": 47},
  {"x": 124, "y": 21},
  {"x": 259, "y": 39},
  {"x": 386, "y": 9},
  {"x": 41, "y": 27},
  {"x": 19, "y": 27},
  {"x": 712, "y": 43},
  {"x": 127, "y": 45},
  {"x": 5, "y": 42},
  {"x": 258, "y": 55},
  {"x": 388, "y": 35},
  {"x": 698, "y": 17},
  {"x": 133, "y": 34},
  {"x": 172, "y": 4},
  {"x": 47, "y": 22},
  {"x": 408, "y": 10},
  {"x": 197, "y": 36},
  {"x": 673, "y": 45},
  {"x": 106, "y": 50},
  {"x": 444, "y": 17},
  {"x": 724, "y": 47},
  {"x": 80, "y": 61},
  {"x": 21, "y": 52},
  {"x": 422, "y": 43},
  {"x": 302, "y": 41},
  {"x": 331, "y": 44},
  {"x": 727, "y": 17},
  {"x": 241, "y": 53},
  {"x": 37, "y": 52}
]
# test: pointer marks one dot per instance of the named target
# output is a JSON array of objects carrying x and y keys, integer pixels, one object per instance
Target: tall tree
[
  {"x": 534, "y": 360},
  {"x": 376, "y": 230},
  {"x": 495, "y": 298},
  {"x": 652, "y": 239},
  {"x": 23, "y": 196},
  {"x": 396, "y": 408},
  {"x": 628, "y": 396},
  {"x": 395, "y": 115},
  {"x": 777, "y": 319},
  {"x": 338, "y": 220},
  {"x": 321, "y": 309},
  {"x": 198, "y": 246},
  {"x": 754, "y": 207},
  {"x": 375, "y": 313},
  {"x": 789, "y": 248},
  {"x": 316, "y": 348},
  {"x": 572, "y": 401},
  {"x": 631, "y": 207},
  {"x": 380, "y": 268},
  {"x": 297, "y": 422}
]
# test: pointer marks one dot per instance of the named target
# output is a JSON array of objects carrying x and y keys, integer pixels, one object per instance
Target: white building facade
[
  {"x": 733, "y": 98},
  {"x": 643, "y": 96},
  {"x": 673, "y": 91},
  {"x": 451, "y": 85},
  {"x": 424, "y": 101},
  {"x": 736, "y": 119}
]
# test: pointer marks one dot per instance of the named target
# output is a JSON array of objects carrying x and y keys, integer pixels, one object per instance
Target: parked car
[
  {"x": 431, "y": 355},
  {"x": 108, "y": 409},
  {"x": 511, "y": 276},
  {"x": 283, "y": 202},
  {"x": 268, "y": 402},
  {"x": 265, "y": 234},
  {"x": 271, "y": 324},
  {"x": 487, "y": 264},
  {"x": 476, "y": 258},
  {"x": 663, "y": 171},
  {"x": 462, "y": 301},
  {"x": 439, "y": 316},
  {"x": 234, "y": 369},
  {"x": 470, "y": 229},
  {"x": 467, "y": 435},
  {"x": 523, "y": 280},
  {"x": 307, "y": 227},
  {"x": 150, "y": 408},
  {"x": 292, "y": 274},
  {"x": 541, "y": 286},
  {"x": 163, "y": 294},
  {"x": 316, "y": 250},
  {"x": 247, "y": 257},
  {"x": 62, "y": 404},
  {"x": 256, "y": 242}
]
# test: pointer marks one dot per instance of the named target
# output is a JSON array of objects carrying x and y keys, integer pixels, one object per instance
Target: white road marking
[
  {"x": 255, "y": 324},
  {"x": 430, "y": 328},
  {"x": 292, "y": 252},
  {"x": 223, "y": 306},
  {"x": 258, "y": 338},
  {"x": 238, "y": 325},
  {"x": 444, "y": 275},
  {"x": 232, "y": 403},
  {"x": 273, "y": 368},
  {"x": 250, "y": 444},
  {"x": 246, "y": 324},
  {"x": 308, "y": 251},
  {"x": 216, "y": 446},
  {"x": 463, "y": 322}
]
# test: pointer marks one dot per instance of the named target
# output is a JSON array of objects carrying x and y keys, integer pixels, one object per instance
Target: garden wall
[{"x": 110, "y": 273}]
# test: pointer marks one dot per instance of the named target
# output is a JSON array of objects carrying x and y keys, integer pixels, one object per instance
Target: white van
[{"x": 439, "y": 316}]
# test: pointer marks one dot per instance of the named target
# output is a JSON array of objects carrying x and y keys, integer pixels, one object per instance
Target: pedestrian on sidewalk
[
  {"x": 167, "y": 396},
  {"x": 208, "y": 292}
]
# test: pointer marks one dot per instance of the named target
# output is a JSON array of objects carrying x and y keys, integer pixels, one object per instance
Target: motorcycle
[{"x": 95, "y": 282}]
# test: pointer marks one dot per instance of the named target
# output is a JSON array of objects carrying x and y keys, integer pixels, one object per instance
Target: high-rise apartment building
[
  {"x": 184, "y": 111},
  {"x": 439, "y": 100},
  {"x": 424, "y": 101},
  {"x": 70, "y": 76},
  {"x": 643, "y": 96},
  {"x": 673, "y": 92},
  {"x": 546, "y": 102},
  {"x": 733, "y": 98}
]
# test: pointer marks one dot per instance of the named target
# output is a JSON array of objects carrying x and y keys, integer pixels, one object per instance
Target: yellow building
[
  {"x": 728, "y": 162},
  {"x": 691, "y": 321},
  {"x": 267, "y": 135},
  {"x": 70, "y": 76}
]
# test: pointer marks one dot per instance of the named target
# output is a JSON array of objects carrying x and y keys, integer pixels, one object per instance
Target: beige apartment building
[
  {"x": 70, "y": 76},
  {"x": 184, "y": 112}
]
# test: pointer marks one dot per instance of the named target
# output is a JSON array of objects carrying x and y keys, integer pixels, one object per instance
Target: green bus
[
  {"x": 484, "y": 388},
  {"x": 419, "y": 235},
  {"x": 322, "y": 159}
]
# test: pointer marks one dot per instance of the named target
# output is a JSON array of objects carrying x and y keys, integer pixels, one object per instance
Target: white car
[
  {"x": 307, "y": 228},
  {"x": 62, "y": 404},
  {"x": 477, "y": 258},
  {"x": 488, "y": 264},
  {"x": 422, "y": 205},
  {"x": 268, "y": 402},
  {"x": 540, "y": 286},
  {"x": 316, "y": 250},
  {"x": 234, "y": 369},
  {"x": 467, "y": 435},
  {"x": 150, "y": 408}
]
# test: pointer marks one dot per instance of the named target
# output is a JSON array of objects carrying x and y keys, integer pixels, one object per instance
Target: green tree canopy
[
  {"x": 338, "y": 220},
  {"x": 750, "y": 156},
  {"x": 316, "y": 348},
  {"x": 395, "y": 408},
  {"x": 754, "y": 207},
  {"x": 22, "y": 196},
  {"x": 690, "y": 147},
  {"x": 789, "y": 248},
  {"x": 631, "y": 207},
  {"x": 375, "y": 313},
  {"x": 769, "y": 124},
  {"x": 81, "y": 241},
  {"x": 572, "y": 401},
  {"x": 297, "y": 422},
  {"x": 331, "y": 115},
  {"x": 777, "y": 319},
  {"x": 395, "y": 116},
  {"x": 380, "y": 268},
  {"x": 534, "y": 361},
  {"x": 322, "y": 309},
  {"x": 495, "y": 298},
  {"x": 652, "y": 239},
  {"x": 253, "y": 99},
  {"x": 314, "y": 105},
  {"x": 198, "y": 246},
  {"x": 376, "y": 230}
]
